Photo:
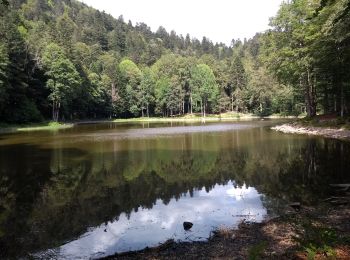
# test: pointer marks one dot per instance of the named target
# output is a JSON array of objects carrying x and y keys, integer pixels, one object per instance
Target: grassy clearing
[
  {"x": 48, "y": 126},
  {"x": 195, "y": 118}
]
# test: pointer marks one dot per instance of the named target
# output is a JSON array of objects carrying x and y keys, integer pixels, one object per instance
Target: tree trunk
[
  {"x": 309, "y": 95},
  {"x": 204, "y": 107},
  {"x": 58, "y": 111},
  {"x": 232, "y": 102},
  {"x": 53, "y": 110},
  {"x": 191, "y": 103},
  {"x": 342, "y": 100}
]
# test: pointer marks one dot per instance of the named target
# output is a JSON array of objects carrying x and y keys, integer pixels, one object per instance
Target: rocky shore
[{"x": 296, "y": 128}]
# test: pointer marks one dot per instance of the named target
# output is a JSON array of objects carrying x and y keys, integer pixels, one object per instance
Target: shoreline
[
  {"x": 4, "y": 129},
  {"x": 293, "y": 235},
  {"x": 328, "y": 132},
  {"x": 48, "y": 126}
]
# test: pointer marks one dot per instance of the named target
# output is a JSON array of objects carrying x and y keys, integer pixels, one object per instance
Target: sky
[{"x": 219, "y": 20}]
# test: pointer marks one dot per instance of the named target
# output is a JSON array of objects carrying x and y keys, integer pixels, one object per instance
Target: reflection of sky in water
[{"x": 223, "y": 205}]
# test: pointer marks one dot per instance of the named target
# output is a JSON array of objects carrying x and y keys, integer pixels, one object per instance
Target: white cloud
[{"x": 220, "y": 20}]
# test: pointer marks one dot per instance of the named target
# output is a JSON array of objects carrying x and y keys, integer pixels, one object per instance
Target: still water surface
[{"x": 98, "y": 189}]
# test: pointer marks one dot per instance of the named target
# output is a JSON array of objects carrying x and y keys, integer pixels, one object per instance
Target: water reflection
[
  {"x": 223, "y": 205},
  {"x": 55, "y": 188}
]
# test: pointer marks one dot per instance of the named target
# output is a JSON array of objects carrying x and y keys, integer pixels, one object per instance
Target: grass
[
  {"x": 195, "y": 118},
  {"x": 318, "y": 240},
  {"x": 327, "y": 121},
  {"x": 48, "y": 126},
  {"x": 255, "y": 251}
]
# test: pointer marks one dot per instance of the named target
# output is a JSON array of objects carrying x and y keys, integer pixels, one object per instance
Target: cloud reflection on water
[{"x": 223, "y": 205}]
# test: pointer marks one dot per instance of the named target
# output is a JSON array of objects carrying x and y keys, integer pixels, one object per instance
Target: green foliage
[
  {"x": 26, "y": 112},
  {"x": 62, "y": 78},
  {"x": 317, "y": 239},
  {"x": 4, "y": 2},
  {"x": 130, "y": 79},
  {"x": 82, "y": 63},
  {"x": 204, "y": 87},
  {"x": 255, "y": 252},
  {"x": 4, "y": 62}
]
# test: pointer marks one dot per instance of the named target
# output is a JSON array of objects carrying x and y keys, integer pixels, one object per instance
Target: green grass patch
[
  {"x": 256, "y": 251},
  {"x": 48, "y": 126},
  {"x": 317, "y": 239},
  {"x": 190, "y": 118}
]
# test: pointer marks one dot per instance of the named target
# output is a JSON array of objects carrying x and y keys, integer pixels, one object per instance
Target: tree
[
  {"x": 4, "y": 63},
  {"x": 130, "y": 78},
  {"x": 4, "y": 2},
  {"x": 204, "y": 86},
  {"x": 237, "y": 83},
  {"x": 300, "y": 64},
  {"x": 109, "y": 68},
  {"x": 62, "y": 78},
  {"x": 147, "y": 90},
  {"x": 64, "y": 33},
  {"x": 290, "y": 45}
]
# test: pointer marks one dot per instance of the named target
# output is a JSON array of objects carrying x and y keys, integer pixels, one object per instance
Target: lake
[{"x": 97, "y": 189}]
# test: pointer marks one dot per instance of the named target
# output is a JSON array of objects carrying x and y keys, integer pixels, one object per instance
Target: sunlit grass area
[
  {"x": 52, "y": 126},
  {"x": 196, "y": 117}
]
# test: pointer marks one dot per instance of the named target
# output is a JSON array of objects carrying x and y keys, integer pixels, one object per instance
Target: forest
[{"x": 63, "y": 60}]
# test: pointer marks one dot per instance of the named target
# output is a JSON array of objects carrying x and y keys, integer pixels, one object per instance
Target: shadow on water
[{"x": 49, "y": 196}]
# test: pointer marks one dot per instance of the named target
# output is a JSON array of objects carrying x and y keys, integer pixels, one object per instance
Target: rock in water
[{"x": 187, "y": 225}]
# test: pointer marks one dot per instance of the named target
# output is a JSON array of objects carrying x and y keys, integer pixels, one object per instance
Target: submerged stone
[{"x": 187, "y": 225}]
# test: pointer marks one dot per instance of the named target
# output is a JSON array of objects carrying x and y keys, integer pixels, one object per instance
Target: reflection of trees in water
[
  {"x": 22, "y": 177},
  {"x": 85, "y": 190},
  {"x": 305, "y": 175}
]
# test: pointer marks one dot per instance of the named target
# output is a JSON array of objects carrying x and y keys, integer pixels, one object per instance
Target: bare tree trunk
[
  {"x": 113, "y": 97},
  {"x": 232, "y": 102},
  {"x": 342, "y": 100},
  {"x": 191, "y": 103},
  {"x": 58, "y": 111},
  {"x": 310, "y": 106},
  {"x": 53, "y": 110},
  {"x": 204, "y": 107}
]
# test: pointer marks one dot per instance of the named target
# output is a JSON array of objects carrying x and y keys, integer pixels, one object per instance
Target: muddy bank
[
  {"x": 296, "y": 128},
  {"x": 322, "y": 232}
]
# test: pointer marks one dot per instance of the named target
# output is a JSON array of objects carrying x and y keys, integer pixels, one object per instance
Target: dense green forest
[{"x": 63, "y": 60}]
